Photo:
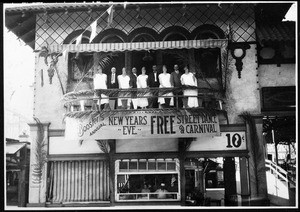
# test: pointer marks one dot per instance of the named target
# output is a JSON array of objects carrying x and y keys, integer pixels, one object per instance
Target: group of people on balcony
[{"x": 186, "y": 98}]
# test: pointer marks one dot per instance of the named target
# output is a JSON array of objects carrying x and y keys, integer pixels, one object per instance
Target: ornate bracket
[{"x": 238, "y": 52}]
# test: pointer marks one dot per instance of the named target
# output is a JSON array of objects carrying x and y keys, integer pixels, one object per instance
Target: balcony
[{"x": 85, "y": 102}]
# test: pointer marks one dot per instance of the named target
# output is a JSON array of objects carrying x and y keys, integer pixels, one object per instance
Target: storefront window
[{"x": 147, "y": 180}]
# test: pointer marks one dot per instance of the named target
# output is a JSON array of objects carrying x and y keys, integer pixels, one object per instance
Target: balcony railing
[{"x": 88, "y": 100}]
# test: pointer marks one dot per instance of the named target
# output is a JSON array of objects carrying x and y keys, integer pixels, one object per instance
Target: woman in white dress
[
  {"x": 142, "y": 83},
  {"x": 123, "y": 81},
  {"x": 190, "y": 95},
  {"x": 100, "y": 82},
  {"x": 165, "y": 82}
]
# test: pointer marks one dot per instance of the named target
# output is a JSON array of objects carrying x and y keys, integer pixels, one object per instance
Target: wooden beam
[
  {"x": 27, "y": 30},
  {"x": 20, "y": 20}
]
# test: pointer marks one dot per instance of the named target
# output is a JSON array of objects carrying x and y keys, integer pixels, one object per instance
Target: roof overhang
[
  {"x": 13, "y": 148},
  {"x": 22, "y": 20}
]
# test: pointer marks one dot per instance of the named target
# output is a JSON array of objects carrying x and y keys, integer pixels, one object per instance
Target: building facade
[{"x": 212, "y": 154}]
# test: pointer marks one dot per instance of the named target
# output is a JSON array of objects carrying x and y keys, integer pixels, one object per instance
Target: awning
[
  {"x": 13, "y": 148},
  {"x": 140, "y": 46}
]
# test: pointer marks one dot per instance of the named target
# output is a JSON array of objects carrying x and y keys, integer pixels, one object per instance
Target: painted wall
[
  {"x": 48, "y": 106},
  {"x": 243, "y": 93},
  {"x": 146, "y": 145},
  {"x": 58, "y": 145},
  {"x": 272, "y": 76}
]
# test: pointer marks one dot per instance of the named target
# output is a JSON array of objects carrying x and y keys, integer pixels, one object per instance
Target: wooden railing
[
  {"x": 279, "y": 174},
  {"x": 87, "y": 100}
]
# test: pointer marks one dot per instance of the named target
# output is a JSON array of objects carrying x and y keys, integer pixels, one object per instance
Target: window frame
[{"x": 119, "y": 172}]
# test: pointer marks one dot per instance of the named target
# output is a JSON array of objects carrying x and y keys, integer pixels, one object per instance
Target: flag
[
  {"x": 94, "y": 28},
  {"x": 110, "y": 12},
  {"x": 78, "y": 39},
  {"x": 64, "y": 54}
]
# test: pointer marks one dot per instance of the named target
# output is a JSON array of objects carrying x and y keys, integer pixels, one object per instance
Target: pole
[{"x": 276, "y": 151}]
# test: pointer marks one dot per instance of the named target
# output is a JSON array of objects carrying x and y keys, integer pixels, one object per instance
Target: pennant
[
  {"x": 110, "y": 12},
  {"x": 64, "y": 54},
  {"x": 94, "y": 28},
  {"x": 78, "y": 39}
]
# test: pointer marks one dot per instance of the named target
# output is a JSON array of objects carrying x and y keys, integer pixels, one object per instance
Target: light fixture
[{"x": 238, "y": 52}]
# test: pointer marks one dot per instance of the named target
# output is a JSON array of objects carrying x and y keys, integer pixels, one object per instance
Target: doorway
[{"x": 212, "y": 181}]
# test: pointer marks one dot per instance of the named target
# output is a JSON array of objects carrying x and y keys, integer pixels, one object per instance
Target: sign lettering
[{"x": 140, "y": 125}]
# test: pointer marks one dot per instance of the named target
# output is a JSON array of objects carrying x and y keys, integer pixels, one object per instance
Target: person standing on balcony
[
  {"x": 132, "y": 83},
  {"x": 190, "y": 95},
  {"x": 123, "y": 81},
  {"x": 112, "y": 83},
  {"x": 142, "y": 83},
  {"x": 153, "y": 82},
  {"x": 176, "y": 83},
  {"x": 100, "y": 82},
  {"x": 165, "y": 82}
]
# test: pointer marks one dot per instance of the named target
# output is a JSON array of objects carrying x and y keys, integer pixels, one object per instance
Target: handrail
[{"x": 278, "y": 170}]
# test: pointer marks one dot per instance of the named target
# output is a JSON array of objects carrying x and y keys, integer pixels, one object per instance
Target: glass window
[
  {"x": 142, "y": 165},
  {"x": 123, "y": 165},
  {"x": 147, "y": 180},
  {"x": 133, "y": 165},
  {"x": 152, "y": 165}
]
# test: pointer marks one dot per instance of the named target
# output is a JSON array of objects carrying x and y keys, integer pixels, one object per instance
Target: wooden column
[
  {"x": 182, "y": 155},
  {"x": 112, "y": 146},
  {"x": 229, "y": 181},
  {"x": 245, "y": 192},
  {"x": 23, "y": 178}
]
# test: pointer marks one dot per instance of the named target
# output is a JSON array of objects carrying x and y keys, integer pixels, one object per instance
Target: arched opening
[
  {"x": 141, "y": 59},
  {"x": 112, "y": 59},
  {"x": 170, "y": 57}
]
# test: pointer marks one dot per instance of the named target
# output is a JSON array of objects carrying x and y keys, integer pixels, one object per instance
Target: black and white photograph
[{"x": 150, "y": 105}]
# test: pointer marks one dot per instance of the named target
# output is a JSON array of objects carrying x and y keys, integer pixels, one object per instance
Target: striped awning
[{"x": 140, "y": 46}]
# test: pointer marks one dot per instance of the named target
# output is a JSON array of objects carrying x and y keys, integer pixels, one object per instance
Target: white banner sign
[{"x": 156, "y": 124}]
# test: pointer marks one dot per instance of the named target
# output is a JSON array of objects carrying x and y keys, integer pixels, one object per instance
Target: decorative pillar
[
  {"x": 245, "y": 192},
  {"x": 257, "y": 169},
  {"x": 38, "y": 164},
  {"x": 112, "y": 147},
  {"x": 182, "y": 155}
]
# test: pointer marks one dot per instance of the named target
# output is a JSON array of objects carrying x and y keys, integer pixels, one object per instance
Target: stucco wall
[
  {"x": 48, "y": 105},
  {"x": 242, "y": 93},
  {"x": 271, "y": 75}
]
